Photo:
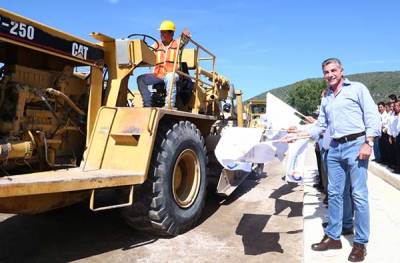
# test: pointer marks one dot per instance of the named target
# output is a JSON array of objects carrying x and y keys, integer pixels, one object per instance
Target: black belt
[{"x": 349, "y": 138}]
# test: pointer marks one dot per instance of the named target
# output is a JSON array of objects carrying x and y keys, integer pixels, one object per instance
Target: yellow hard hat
[{"x": 167, "y": 25}]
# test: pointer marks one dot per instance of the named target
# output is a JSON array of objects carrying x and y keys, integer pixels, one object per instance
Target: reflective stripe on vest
[{"x": 165, "y": 56}]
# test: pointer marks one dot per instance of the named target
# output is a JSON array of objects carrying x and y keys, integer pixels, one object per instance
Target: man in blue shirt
[{"x": 350, "y": 112}]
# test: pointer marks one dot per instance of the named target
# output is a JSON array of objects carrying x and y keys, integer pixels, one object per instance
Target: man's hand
[
  {"x": 186, "y": 32},
  {"x": 288, "y": 138},
  {"x": 292, "y": 129},
  {"x": 292, "y": 137},
  {"x": 310, "y": 119},
  {"x": 365, "y": 152}
]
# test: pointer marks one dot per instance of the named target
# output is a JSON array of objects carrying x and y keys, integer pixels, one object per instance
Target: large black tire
[{"x": 171, "y": 201}]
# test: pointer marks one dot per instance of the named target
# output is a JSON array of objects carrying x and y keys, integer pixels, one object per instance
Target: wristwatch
[{"x": 370, "y": 143}]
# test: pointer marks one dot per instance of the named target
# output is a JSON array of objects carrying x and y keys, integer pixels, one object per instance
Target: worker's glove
[{"x": 186, "y": 32}]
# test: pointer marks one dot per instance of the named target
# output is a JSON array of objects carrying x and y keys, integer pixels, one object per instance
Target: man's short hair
[
  {"x": 331, "y": 60},
  {"x": 381, "y": 103},
  {"x": 393, "y": 97}
]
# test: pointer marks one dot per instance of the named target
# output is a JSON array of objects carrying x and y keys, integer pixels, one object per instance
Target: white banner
[
  {"x": 295, "y": 161},
  {"x": 239, "y": 147},
  {"x": 280, "y": 114}
]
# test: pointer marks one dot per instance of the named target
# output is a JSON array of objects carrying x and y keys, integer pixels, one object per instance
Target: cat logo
[{"x": 79, "y": 50}]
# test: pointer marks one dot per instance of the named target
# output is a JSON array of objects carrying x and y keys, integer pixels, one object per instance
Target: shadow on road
[
  {"x": 67, "y": 234},
  {"x": 250, "y": 227},
  {"x": 296, "y": 208},
  {"x": 249, "y": 183},
  {"x": 214, "y": 201},
  {"x": 255, "y": 241}
]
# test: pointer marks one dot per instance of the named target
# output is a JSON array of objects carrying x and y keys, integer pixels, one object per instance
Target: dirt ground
[{"x": 261, "y": 222}]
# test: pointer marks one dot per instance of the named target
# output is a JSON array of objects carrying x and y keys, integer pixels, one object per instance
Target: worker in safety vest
[{"x": 163, "y": 70}]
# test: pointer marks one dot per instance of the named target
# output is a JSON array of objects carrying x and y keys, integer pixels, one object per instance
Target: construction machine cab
[
  {"x": 184, "y": 84},
  {"x": 254, "y": 109},
  {"x": 184, "y": 89}
]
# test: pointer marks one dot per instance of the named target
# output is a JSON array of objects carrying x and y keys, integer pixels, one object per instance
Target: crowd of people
[{"x": 387, "y": 146}]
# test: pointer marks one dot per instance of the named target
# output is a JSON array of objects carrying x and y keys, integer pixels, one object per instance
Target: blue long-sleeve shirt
[{"x": 351, "y": 111}]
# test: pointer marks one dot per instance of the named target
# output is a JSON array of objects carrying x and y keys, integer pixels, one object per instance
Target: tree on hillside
[
  {"x": 306, "y": 95},
  {"x": 380, "y": 85}
]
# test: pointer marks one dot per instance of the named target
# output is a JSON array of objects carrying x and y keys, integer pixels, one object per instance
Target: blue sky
[{"x": 260, "y": 45}]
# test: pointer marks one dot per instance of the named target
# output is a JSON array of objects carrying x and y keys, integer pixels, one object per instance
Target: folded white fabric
[{"x": 239, "y": 147}]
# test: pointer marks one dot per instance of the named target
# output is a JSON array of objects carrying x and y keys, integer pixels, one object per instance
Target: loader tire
[{"x": 171, "y": 200}]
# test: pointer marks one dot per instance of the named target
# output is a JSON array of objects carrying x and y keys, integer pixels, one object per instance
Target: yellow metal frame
[
  {"x": 92, "y": 201},
  {"x": 120, "y": 139},
  {"x": 206, "y": 94}
]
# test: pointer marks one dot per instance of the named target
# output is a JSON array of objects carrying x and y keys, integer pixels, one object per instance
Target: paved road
[{"x": 261, "y": 222}]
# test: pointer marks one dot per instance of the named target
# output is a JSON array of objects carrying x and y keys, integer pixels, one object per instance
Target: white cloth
[
  {"x": 280, "y": 147},
  {"x": 265, "y": 122},
  {"x": 280, "y": 114},
  {"x": 295, "y": 161},
  {"x": 398, "y": 125},
  {"x": 239, "y": 148},
  {"x": 235, "y": 142},
  {"x": 392, "y": 125},
  {"x": 385, "y": 122},
  {"x": 384, "y": 119}
]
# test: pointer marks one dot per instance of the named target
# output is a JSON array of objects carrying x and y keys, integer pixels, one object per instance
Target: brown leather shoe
[
  {"x": 327, "y": 243},
  {"x": 358, "y": 252}
]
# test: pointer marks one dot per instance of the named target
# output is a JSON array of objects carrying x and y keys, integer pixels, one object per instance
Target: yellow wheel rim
[{"x": 186, "y": 178}]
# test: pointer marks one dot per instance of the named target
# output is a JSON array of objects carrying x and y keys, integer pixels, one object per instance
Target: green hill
[{"x": 380, "y": 84}]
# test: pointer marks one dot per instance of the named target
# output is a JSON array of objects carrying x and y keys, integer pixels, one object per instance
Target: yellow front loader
[
  {"x": 71, "y": 130},
  {"x": 253, "y": 110}
]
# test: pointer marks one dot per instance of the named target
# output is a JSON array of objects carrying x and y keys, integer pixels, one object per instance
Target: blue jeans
[
  {"x": 145, "y": 80},
  {"x": 346, "y": 170},
  {"x": 348, "y": 211}
]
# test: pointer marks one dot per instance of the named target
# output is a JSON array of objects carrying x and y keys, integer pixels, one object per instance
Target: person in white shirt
[
  {"x": 385, "y": 146},
  {"x": 392, "y": 133},
  {"x": 396, "y": 137},
  {"x": 377, "y": 140}
]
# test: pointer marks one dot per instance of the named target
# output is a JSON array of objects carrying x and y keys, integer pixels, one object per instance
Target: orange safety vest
[{"x": 165, "y": 56}]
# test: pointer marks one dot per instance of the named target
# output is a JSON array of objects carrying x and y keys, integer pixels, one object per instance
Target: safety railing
[{"x": 183, "y": 41}]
